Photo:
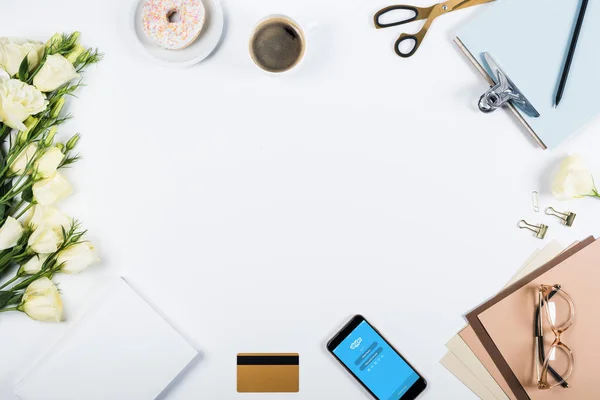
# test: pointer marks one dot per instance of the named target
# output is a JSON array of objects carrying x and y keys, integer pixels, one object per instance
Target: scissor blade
[{"x": 468, "y": 3}]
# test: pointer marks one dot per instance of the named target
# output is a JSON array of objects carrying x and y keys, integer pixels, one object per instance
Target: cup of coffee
[{"x": 277, "y": 44}]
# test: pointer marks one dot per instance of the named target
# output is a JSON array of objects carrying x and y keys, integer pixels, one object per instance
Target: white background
[{"x": 258, "y": 213}]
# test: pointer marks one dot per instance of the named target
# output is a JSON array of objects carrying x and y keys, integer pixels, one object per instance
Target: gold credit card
[{"x": 268, "y": 372}]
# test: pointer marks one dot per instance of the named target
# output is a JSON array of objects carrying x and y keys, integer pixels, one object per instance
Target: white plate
[{"x": 194, "y": 53}]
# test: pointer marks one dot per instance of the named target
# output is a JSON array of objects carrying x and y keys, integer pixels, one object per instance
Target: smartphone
[{"x": 374, "y": 362}]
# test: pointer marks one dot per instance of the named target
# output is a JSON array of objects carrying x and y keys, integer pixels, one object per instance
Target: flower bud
[
  {"x": 73, "y": 142},
  {"x": 49, "y": 139},
  {"x": 10, "y": 233},
  {"x": 57, "y": 108},
  {"x": 19, "y": 165},
  {"x": 77, "y": 257},
  {"x": 55, "y": 72},
  {"x": 75, "y": 36},
  {"x": 30, "y": 123},
  {"x": 41, "y": 301},
  {"x": 48, "y": 163},
  {"x": 34, "y": 265},
  {"x": 44, "y": 240},
  {"x": 50, "y": 191},
  {"x": 48, "y": 216},
  {"x": 75, "y": 53},
  {"x": 22, "y": 137},
  {"x": 54, "y": 41},
  {"x": 60, "y": 146}
]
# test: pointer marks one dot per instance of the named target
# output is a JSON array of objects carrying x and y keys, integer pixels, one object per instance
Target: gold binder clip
[
  {"x": 567, "y": 218},
  {"x": 539, "y": 230}
]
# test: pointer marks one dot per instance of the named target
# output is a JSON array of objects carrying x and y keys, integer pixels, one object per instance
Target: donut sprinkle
[{"x": 173, "y": 24}]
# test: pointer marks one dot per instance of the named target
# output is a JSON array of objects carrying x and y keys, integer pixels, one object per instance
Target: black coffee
[{"x": 277, "y": 45}]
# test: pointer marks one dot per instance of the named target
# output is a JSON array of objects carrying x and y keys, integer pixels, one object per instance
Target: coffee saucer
[{"x": 201, "y": 48}]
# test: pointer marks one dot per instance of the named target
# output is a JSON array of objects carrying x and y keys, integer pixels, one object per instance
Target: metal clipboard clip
[{"x": 503, "y": 92}]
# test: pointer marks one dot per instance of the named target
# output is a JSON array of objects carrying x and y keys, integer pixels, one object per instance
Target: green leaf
[
  {"x": 16, "y": 299},
  {"x": 24, "y": 69},
  {"x": 27, "y": 194},
  {"x": 5, "y": 297}
]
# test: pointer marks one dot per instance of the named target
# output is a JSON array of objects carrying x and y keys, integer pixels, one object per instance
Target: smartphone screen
[{"x": 375, "y": 363}]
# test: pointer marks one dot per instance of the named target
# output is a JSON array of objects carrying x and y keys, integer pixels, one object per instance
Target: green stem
[
  {"x": 15, "y": 207},
  {"x": 14, "y": 193},
  {"x": 10, "y": 281},
  {"x": 4, "y": 131},
  {"x": 24, "y": 283},
  {"x": 24, "y": 210},
  {"x": 10, "y": 309},
  {"x": 5, "y": 260},
  {"x": 594, "y": 193},
  {"x": 8, "y": 256}
]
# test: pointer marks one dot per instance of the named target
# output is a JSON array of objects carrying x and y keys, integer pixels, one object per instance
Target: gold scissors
[{"x": 428, "y": 13}]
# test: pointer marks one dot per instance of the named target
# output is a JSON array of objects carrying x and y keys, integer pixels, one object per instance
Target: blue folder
[{"x": 529, "y": 40}]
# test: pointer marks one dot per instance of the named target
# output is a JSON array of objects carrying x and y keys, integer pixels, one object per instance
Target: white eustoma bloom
[
  {"x": 49, "y": 216},
  {"x": 34, "y": 265},
  {"x": 76, "y": 258},
  {"x": 55, "y": 72},
  {"x": 18, "y": 166},
  {"x": 573, "y": 179},
  {"x": 4, "y": 74},
  {"x": 10, "y": 233},
  {"x": 41, "y": 301},
  {"x": 18, "y": 101},
  {"x": 50, "y": 190},
  {"x": 13, "y": 52},
  {"x": 48, "y": 163},
  {"x": 45, "y": 240}
]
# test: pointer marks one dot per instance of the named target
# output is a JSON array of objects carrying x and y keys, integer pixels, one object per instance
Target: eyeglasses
[{"x": 554, "y": 366}]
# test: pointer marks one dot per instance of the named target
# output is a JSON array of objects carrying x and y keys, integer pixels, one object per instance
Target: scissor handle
[
  {"x": 420, "y": 13},
  {"x": 417, "y": 38}
]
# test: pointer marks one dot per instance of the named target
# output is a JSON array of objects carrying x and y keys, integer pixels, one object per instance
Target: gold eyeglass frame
[{"x": 545, "y": 293}]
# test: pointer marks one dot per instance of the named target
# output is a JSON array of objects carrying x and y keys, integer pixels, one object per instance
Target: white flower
[
  {"x": 49, "y": 216},
  {"x": 45, "y": 240},
  {"x": 10, "y": 233},
  {"x": 4, "y": 74},
  {"x": 573, "y": 179},
  {"x": 55, "y": 72},
  {"x": 41, "y": 301},
  {"x": 50, "y": 190},
  {"x": 18, "y": 101},
  {"x": 48, "y": 163},
  {"x": 13, "y": 51},
  {"x": 20, "y": 164},
  {"x": 34, "y": 265},
  {"x": 77, "y": 257}
]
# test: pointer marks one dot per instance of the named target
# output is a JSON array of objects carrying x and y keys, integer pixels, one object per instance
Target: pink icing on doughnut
[{"x": 167, "y": 31}]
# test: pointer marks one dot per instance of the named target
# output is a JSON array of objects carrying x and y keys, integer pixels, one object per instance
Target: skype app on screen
[{"x": 375, "y": 363}]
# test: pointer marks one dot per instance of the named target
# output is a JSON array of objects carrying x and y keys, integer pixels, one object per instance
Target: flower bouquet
[{"x": 38, "y": 240}]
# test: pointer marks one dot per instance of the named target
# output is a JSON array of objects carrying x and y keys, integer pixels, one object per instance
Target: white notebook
[{"x": 121, "y": 349}]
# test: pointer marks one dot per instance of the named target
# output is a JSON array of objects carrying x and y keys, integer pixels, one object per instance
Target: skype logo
[{"x": 356, "y": 343}]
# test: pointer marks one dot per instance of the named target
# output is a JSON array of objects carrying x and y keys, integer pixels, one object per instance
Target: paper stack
[{"x": 495, "y": 354}]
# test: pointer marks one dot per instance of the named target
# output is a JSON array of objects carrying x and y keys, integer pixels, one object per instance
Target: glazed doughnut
[{"x": 173, "y": 24}]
